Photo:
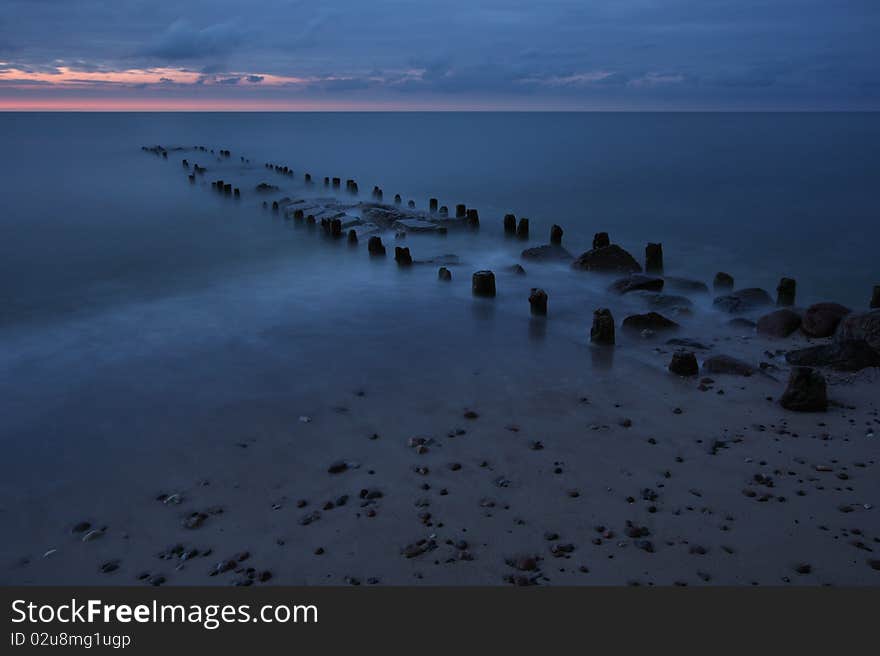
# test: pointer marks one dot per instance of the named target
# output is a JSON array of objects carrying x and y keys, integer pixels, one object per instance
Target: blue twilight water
[{"x": 132, "y": 302}]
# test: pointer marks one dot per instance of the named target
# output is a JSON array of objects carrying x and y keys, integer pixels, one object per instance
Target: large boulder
[
  {"x": 611, "y": 258},
  {"x": 780, "y": 323},
  {"x": 806, "y": 391},
  {"x": 650, "y": 321},
  {"x": 851, "y": 355},
  {"x": 743, "y": 300},
  {"x": 822, "y": 319},
  {"x": 547, "y": 253},
  {"x": 686, "y": 285},
  {"x": 862, "y": 326},
  {"x": 636, "y": 283},
  {"x": 725, "y": 364}
]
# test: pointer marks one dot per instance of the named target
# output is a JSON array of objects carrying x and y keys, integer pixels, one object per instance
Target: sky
[{"x": 440, "y": 54}]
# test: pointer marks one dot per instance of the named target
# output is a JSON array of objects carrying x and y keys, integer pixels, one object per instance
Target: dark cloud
[{"x": 184, "y": 42}]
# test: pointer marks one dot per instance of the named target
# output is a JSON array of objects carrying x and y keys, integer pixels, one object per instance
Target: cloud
[{"x": 183, "y": 42}]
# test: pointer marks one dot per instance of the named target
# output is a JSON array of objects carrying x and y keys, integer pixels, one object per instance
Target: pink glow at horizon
[{"x": 65, "y": 76}]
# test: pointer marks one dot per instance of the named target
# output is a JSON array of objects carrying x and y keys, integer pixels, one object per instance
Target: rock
[
  {"x": 806, "y": 391},
  {"x": 875, "y": 297},
  {"x": 375, "y": 246},
  {"x": 547, "y": 253},
  {"x": 780, "y": 323},
  {"x": 686, "y": 285},
  {"x": 444, "y": 274},
  {"x": 264, "y": 187},
  {"x": 517, "y": 269},
  {"x": 740, "y": 322},
  {"x": 602, "y": 331},
  {"x": 684, "y": 363},
  {"x": 402, "y": 256},
  {"x": 601, "y": 240},
  {"x": 538, "y": 302},
  {"x": 724, "y": 364},
  {"x": 637, "y": 283},
  {"x": 522, "y": 229},
  {"x": 607, "y": 258},
  {"x": 743, "y": 300},
  {"x": 851, "y": 355},
  {"x": 483, "y": 284},
  {"x": 723, "y": 281},
  {"x": 337, "y": 467},
  {"x": 650, "y": 321},
  {"x": 509, "y": 224},
  {"x": 862, "y": 326},
  {"x": 555, "y": 235},
  {"x": 822, "y": 319},
  {"x": 785, "y": 292},
  {"x": 665, "y": 301},
  {"x": 654, "y": 258},
  {"x": 687, "y": 343}
]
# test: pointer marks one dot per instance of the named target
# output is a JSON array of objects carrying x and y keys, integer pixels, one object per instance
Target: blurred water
[{"x": 135, "y": 307}]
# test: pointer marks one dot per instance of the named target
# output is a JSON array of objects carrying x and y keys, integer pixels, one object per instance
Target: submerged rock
[
  {"x": 780, "y": 323},
  {"x": 851, "y": 355},
  {"x": 684, "y": 363},
  {"x": 610, "y": 258},
  {"x": 822, "y": 319},
  {"x": 650, "y": 321},
  {"x": 538, "y": 301},
  {"x": 637, "y": 283},
  {"x": 602, "y": 331},
  {"x": 517, "y": 269},
  {"x": 743, "y": 300},
  {"x": 686, "y": 285},
  {"x": 806, "y": 391},
  {"x": 483, "y": 284},
  {"x": 444, "y": 274},
  {"x": 547, "y": 253},
  {"x": 724, "y": 364}
]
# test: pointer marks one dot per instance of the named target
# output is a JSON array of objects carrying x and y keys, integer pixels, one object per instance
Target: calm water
[{"x": 137, "y": 306}]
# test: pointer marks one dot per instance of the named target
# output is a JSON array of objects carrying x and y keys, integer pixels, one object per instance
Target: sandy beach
[{"x": 464, "y": 442}]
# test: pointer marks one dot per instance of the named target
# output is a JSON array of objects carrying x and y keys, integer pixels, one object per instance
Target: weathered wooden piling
[
  {"x": 336, "y": 183},
  {"x": 336, "y": 228},
  {"x": 310, "y": 220},
  {"x": 602, "y": 331},
  {"x": 601, "y": 240},
  {"x": 402, "y": 256},
  {"x": 411, "y": 204},
  {"x": 326, "y": 181},
  {"x": 556, "y": 235},
  {"x": 192, "y": 177},
  {"x": 274, "y": 205},
  {"x": 308, "y": 178},
  {"x": 236, "y": 192},
  {"x": 654, "y": 258},
  {"x": 538, "y": 302},
  {"x": 397, "y": 199},
  {"x": 483, "y": 284},
  {"x": 227, "y": 189},
  {"x": 722, "y": 282},
  {"x": 509, "y": 224},
  {"x": 684, "y": 363},
  {"x": 298, "y": 215},
  {"x": 785, "y": 292},
  {"x": 473, "y": 218},
  {"x": 432, "y": 205},
  {"x": 352, "y": 236},
  {"x": 443, "y": 211},
  {"x": 875, "y": 297},
  {"x": 185, "y": 164},
  {"x": 460, "y": 211},
  {"x": 444, "y": 274},
  {"x": 522, "y": 228},
  {"x": 375, "y": 246}
]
